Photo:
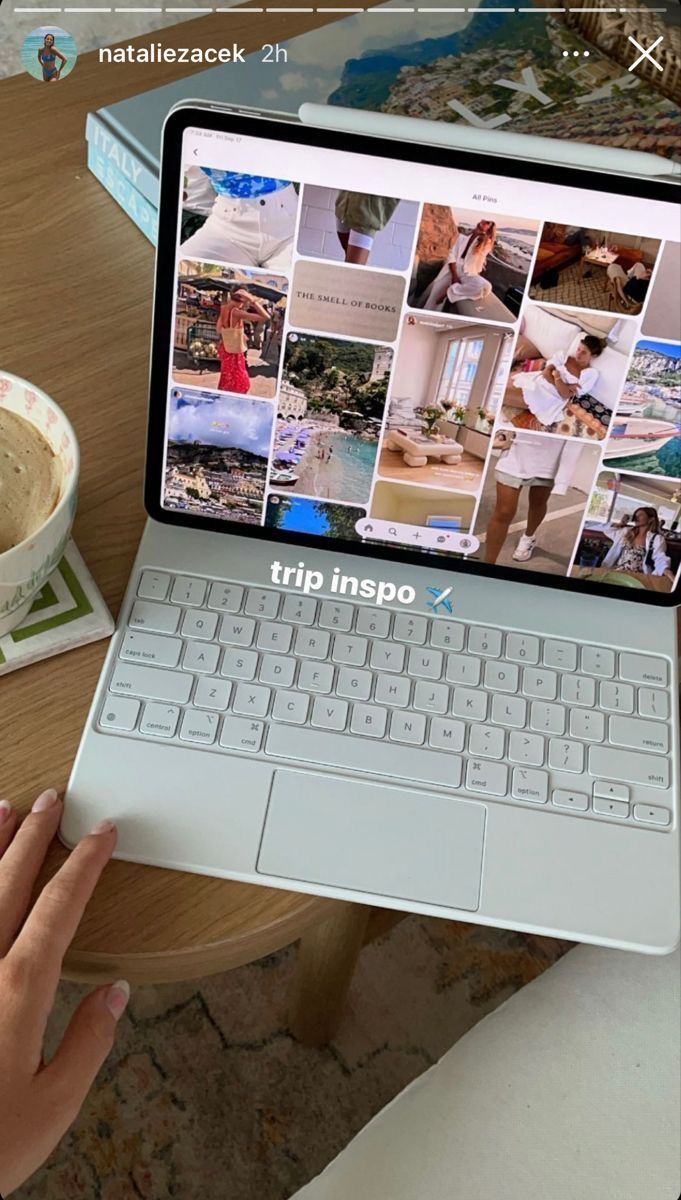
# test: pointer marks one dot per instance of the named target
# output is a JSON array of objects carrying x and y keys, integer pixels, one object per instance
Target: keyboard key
[
  {"x": 160, "y": 720},
  {"x": 226, "y": 597},
  {"x": 261, "y": 603},
  {"x": 329, "y": 713},
  {"x": 640, "y": 668},
  {"x": 392, "y": 689},
  {"x": 616, "y": 697},
  {"x": 119, "y": 712},
  {"x": 610, "y": 808},
  {"x": 430, "y": 697},
  {"x": 388, "y": 657},
  {"x": 350, "y": 650},
  {"x": 187, "y": 590},
  {"x": 201, "y": 658},
  {"x": 274, "y": 637},
  {"x": 278, "y": 670},
  {"x": 530, "y": 785},
  {"x": 462, "y": 668},
  {"x": 236, "y": 631},
  {"x": 522, "y": 647},
  {"x": 447, "y": 635},
  {"x": 470, "y": 704},
  {"x": 540, "y": 683},
  {"x": 251, "y": 699},
  {"x": 365, "y": 757},
  {"x": 628, "y": 766},
  {"x": 410, "y": 628},
  {"x": 299, "y": 610},
  {"x": 488, "y": 741},
  {"x": 199, "y": 624},
  {"x": 652, "y": 816},
  {"x": 151, "y": 648},
  {"x": 446, "y": 735},
  {"x": 424, "y": 663},
  {"x": 212, "y": 693},
  {"x": 562, "y": 798},
  {"x": 199, "y": 727},
  {"x": 526, "y": 748},
  {"x": 335, "y": 616},
  {"x": 151, "y": 683},
  {"x": 639, "y": 735},
  {"x": 239, "y": 664},
  {"x": 155, "y": 618},
  {"x": 610, "y": 791},
  {"x": 566, "y": 755},
  {"x": 547, "y": 718},
  {"x": 240, "y": 734},
  {"x": 510, "y": 711},
  {"x": 312, "y": 643},
  {"x": 587, "y": 725},
  {"x": 561, "y": 655},
  {"x": 369, "y": 720},
  {"x": 373, "y": 622},
  {"x": 407, "y": 727},
  {"x": 315, "y": 677},
  {"x": 578, "y": 689},
  {"x": 153, "y": 585},
  {"x": 652, "y": 703},
  {"x": 488, "y": 777},
  {"x": 597, "y": 660},
  {"x": 501, "y": 677},
  {"x": 291, "y": 707},
  {"x": 353, "y": 685},
  {"x": 487, "y": 642}
]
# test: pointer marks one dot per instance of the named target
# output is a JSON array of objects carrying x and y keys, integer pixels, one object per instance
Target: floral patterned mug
[{"x": 25, "y": 567}]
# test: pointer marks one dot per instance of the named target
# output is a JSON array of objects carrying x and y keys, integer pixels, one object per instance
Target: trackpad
[{"x": 371, "y": 837}]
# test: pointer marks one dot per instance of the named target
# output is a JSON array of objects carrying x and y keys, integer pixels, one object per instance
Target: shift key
[
  {"x": 629, "y": 767},
  {"x": 151, "y": 683}
]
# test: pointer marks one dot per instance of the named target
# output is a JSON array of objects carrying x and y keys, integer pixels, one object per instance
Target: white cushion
[
  {"x": 550, "y": 333},
  {"x": 568, "y": 1090}
]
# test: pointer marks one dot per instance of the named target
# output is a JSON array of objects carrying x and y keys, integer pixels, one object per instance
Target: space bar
[{"x": 370, "y": 758}]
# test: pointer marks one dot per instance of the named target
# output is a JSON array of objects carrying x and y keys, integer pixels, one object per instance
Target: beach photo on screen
[
  {"x": 217, "y": 455},
  {"x": 329, "y": 413}
]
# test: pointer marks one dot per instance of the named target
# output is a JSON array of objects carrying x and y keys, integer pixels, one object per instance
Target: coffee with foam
[{"x": 30, "y": 479}]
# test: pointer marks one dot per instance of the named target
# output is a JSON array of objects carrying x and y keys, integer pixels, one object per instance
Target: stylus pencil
[{"x": 491, "y": 141}]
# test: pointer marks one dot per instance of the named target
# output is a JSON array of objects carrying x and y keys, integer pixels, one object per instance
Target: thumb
[{"x": 86, "y": 1043}]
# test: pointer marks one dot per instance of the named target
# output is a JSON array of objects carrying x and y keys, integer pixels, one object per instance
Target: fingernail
[
  {"x": 116, "y": 999},
  {"x": 5, "y": 810},
  {"x": 105, "y": 826},
  {"x": 45, "y": 800}
]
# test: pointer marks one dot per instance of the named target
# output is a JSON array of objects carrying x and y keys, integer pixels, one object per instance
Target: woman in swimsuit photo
[{"x": 47, "y": 57}]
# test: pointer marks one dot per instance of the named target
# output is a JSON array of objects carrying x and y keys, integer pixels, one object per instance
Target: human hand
[{"x": 38, "y": 1101}]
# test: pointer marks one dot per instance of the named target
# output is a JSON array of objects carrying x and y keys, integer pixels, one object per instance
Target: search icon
[{"x": 392, "y": 531}]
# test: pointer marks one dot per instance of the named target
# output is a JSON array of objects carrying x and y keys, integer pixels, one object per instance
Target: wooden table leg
[{"x": 328, "y": 954}]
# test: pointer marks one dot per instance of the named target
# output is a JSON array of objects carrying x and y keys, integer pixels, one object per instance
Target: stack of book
[{"x": 491, "y": 67}]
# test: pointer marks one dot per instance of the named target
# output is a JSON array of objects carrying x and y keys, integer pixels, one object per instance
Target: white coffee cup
[{"x": 25, "y": 567}]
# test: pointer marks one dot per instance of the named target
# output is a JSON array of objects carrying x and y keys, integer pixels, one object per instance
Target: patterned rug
[
  {"x": 207, "y": 1096},
  {"x": 587, "y": 291}
]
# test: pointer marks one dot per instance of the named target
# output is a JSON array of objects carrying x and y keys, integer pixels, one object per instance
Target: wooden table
[{"x": 77, "y": 288}]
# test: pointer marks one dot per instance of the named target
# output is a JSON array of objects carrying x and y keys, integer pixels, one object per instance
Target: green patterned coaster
[{"x": 67, "y": 612}]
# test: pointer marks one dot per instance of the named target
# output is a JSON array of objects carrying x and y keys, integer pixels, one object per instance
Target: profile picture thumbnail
[{"x": 49, "y": 53}]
